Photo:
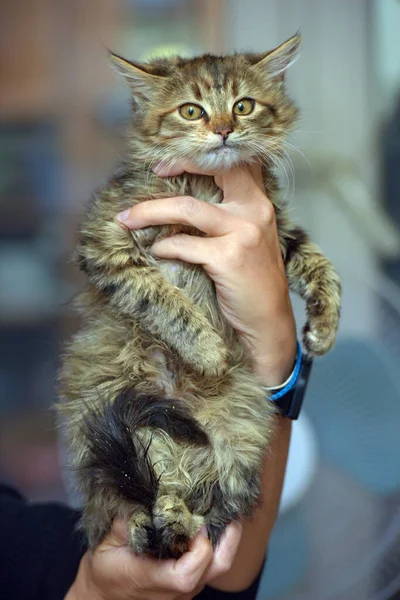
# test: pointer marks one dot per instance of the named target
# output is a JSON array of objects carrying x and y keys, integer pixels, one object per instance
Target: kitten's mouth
[
  {"x": 222, "y": 150},
  {"x": 223, "y": 156}
]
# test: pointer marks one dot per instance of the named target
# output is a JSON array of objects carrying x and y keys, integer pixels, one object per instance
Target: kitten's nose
[{"x": 223, "y": 132}]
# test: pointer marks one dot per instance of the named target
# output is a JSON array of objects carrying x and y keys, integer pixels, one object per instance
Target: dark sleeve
[
  {"x": 250, "y": 594},
  {"x": 40, "y": 549}
]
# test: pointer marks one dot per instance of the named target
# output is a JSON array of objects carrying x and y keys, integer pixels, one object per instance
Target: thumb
[
  {"x": 241, "y": 182},
  {"x": 118, "y": 535}
]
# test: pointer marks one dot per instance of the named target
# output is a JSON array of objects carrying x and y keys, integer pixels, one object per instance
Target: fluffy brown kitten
[{"x": 167, "y": 423}]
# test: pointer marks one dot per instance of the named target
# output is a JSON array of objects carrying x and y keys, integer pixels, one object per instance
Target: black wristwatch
[{"x": 290, "y": 395}]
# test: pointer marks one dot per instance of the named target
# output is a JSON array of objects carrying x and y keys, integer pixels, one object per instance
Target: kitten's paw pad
[
  {"x": 175, "y": 526},
  {"x": 318, "y": 339}
]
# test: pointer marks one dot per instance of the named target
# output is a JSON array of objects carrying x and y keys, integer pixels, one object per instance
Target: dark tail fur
[{"x": 118, "y": 460}]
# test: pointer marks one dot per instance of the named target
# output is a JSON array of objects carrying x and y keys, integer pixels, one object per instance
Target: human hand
[
  {"x": 241, "y": 253},
  {"x": 114, "y": 572}
]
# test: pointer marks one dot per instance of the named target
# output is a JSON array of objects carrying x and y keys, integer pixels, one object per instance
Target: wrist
[
  {"x": 273, "y": 365},
  {"x": 277, "y": 391},
  {"x": 288, "y": 397},
  {"x": 275, "y": 372}
]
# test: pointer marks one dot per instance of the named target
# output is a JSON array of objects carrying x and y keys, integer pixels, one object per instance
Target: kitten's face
[{"x": 216, "y": 111}]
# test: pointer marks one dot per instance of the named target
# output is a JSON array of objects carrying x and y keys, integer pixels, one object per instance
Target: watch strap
[{"x": 289, "y": 397}]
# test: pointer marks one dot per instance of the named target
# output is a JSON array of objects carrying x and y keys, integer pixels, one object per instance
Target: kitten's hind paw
[
  {"x": 175, "y": 526},
  {"x": 166, "y": 533},
  {"x": 140, "y": 528}
]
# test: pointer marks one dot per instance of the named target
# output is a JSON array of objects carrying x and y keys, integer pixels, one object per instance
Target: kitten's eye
[
  {"x": 191, "y": 111},
  {"x": 243, "y": 107}
]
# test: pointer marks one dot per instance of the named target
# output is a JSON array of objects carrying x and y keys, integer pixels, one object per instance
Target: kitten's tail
[{"x": 118, "y": 459}]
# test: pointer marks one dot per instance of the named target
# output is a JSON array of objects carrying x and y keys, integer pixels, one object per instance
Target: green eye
[
  {"x": 191, "y": 111},
  {"x": 243, "y": 107}
]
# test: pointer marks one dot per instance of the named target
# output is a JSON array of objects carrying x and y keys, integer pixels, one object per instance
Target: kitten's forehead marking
[
  {"x": 215, "y": 84},
  {"x": 196, "y": 91},
  {"x": 215, "y": 95},
  {"x": 212, "y": 76}
]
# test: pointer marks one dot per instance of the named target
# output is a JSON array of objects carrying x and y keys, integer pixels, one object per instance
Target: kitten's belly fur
[
  {"x": 191, "y": 278},
  {"x": 196, "y": 285},
  {"x": 119, "y": 352}
]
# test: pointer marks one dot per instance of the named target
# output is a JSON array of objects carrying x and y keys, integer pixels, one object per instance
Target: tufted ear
[
  {"x": 275, "y": 62},
  {"x": 142, "y": 82}
]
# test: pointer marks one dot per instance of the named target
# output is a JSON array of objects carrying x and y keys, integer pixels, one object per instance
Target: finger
[
  {"x": 183, "y": 575},
  {"x": 225, "y": 552},
  {"x": 179, "y": 167},
  {"x": 226, "y": 180},
  {"x": 180, "y": 209},
  {"x": 191, "y": 567},
  {"x": 256, "y": 172},
  {"x": 241, "y": 184},
  {"x": 117, "y": 537},
  {"x": 189, "y": 248}
]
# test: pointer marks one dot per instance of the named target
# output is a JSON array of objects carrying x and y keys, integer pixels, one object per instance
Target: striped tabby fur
[{"x": 166, "y": 422}]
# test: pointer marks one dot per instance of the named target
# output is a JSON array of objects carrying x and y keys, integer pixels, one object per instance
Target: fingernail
[{"x": 124, "y": 215}]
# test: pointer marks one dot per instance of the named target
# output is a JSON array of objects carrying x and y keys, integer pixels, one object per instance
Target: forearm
[
  {"x": 274, "y": 346},
  {"x": 272, "y": 364}
]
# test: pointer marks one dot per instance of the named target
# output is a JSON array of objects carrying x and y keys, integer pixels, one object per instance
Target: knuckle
[
  {"x": 233, "y": 254},
  {"x": 188, "y": 205},
  {"x": 252, "y": 234},
  {"x": 268, "y": 214}
]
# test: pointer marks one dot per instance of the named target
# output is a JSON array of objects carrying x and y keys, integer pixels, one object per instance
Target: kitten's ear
[
  {"x": 141, "y": 81},
  {"x": 277, "y": 61}
]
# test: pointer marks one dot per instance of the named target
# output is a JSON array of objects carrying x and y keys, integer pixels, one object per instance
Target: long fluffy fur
[{"x": 153, "y": 330}]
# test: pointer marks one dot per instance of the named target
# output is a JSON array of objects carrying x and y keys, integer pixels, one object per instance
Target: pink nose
[{"x": 224, "y": 132}]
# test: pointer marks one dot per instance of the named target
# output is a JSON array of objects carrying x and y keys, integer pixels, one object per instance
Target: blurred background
[{"x": 62, "y": 115}]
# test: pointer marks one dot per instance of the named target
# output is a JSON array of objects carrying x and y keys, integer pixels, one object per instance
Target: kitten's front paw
[
  {"x": 319, "y": 332},
  {"x": 319, "y": 335},
  {"x": 208, "y": 355}
]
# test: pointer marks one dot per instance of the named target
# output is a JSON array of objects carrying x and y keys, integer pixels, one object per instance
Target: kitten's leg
[
  {"x": 166, "y": 533},
  {"x": 140, "y": 531},
  {"x": 312, "y": 276},
  {"x": 99, "y": 513},
  {"x": 96, "y": 518},
  {"x": 228, "y": 507},
  {"x": 133, "y": 285},
  {"x": 240, "y": 426}
]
